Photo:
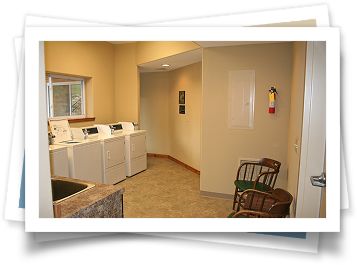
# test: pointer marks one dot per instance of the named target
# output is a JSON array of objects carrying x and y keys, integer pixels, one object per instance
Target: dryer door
[
  {"x": 114, "y": 152},
  {"x": 137, "y": 145}
]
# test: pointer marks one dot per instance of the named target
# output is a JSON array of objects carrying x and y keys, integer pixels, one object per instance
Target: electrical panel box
[{"x": 241, "y": 96}]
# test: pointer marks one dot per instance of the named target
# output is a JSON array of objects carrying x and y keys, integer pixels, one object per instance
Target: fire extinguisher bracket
[{"x": 273, "y": 90}]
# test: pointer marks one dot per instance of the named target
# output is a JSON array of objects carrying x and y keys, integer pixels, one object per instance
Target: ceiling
[
  {"x": 175, "y": 61},
  {"x": 186, "y": 58}
]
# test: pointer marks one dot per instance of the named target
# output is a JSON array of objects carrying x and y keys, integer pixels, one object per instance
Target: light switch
[{"x": 296, "y": 145}]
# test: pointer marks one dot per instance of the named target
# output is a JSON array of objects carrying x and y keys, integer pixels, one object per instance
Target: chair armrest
[
  {"x": 256, "y": 191},
  {"x": 264, "y": 175}
]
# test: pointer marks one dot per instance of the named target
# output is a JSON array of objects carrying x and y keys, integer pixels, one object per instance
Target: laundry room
[{"x": 178, "y": 93}]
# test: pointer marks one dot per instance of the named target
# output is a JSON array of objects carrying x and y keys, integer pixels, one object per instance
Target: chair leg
[
  {"x": 237, "y": 198},
  {"x": 235, "y": 201}
]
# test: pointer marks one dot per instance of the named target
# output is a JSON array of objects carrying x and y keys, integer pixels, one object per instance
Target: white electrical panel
[{"x": 241, "y": 96}]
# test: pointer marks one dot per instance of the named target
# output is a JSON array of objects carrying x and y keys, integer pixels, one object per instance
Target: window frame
[{"x": 50, "y": 103}]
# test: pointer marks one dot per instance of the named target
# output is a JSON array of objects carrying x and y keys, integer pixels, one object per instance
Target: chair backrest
[
  {"x": 275, "y": 204},
  {"x": 271, "y": 163},
  {"x": 284, "y": 199},
  {"x": 266, "y": 170},
  {"x": 258, "y": 201}
]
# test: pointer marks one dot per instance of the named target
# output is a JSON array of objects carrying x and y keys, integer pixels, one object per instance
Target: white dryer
[
  {"x": 84, "y": 156},
  {"x": 112, "y": 151},
  {"x": 135, "y": 146}
]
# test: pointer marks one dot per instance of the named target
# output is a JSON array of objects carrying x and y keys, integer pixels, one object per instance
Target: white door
[
  {"x": 323, "y": 196},
  {"x": 313, "y": 141}
]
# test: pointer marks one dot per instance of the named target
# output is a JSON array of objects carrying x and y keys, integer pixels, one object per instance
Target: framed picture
[
  {"x": 181, "y": 109},
  {"x": 181, "y": 97}
]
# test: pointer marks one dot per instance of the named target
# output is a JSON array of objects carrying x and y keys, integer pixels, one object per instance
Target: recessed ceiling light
[{"x": 165, "y": 65}]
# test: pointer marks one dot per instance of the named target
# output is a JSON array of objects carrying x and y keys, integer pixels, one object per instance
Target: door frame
[{"x": 316, "y": 135}]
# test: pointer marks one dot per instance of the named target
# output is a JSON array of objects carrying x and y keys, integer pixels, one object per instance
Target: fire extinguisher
[{"x": 272, "y": 92}]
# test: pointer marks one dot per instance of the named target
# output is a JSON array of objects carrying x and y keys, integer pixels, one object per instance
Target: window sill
[{"x": 80, "y": 120}]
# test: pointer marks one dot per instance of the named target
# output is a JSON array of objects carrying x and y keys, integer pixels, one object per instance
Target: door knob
[{"x": 319, "y": 181}]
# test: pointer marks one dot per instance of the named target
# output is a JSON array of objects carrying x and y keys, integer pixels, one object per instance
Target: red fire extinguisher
[{"x": 272, "y": 92}]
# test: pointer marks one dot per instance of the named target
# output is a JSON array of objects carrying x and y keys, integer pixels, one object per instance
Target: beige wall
[
  {"x": 168, "y": 132},
  {"x": 185, "y": 129},
  {"x": 296, "y": 114},
  {"x": 154, "y": 114},
  {"x": 221, "y": 148},
  {"x": 94, "y": 59},
  {"x": 127, "y": 84}
]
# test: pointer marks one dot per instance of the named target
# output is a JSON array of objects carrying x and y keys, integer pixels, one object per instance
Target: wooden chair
[
  {"x": 258, "y": 176},
  {"x": 258, "y": 204}
]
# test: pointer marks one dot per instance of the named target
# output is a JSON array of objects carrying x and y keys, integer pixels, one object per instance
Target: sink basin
[{"x": 62, "y": 189}]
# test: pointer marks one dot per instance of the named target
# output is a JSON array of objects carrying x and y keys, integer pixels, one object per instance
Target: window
[{"x": 65, "y": 97}]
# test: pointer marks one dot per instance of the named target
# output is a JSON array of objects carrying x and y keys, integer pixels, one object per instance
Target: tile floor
[{"x": 168, "y": 190}]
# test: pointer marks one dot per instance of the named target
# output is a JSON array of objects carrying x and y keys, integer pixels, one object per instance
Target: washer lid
[
  {"x": 127, "y": 126},
  {"x": 60, "y": 129}
]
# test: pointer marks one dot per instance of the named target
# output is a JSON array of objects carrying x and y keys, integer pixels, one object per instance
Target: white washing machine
[
  {"x": 59, "y": 160},
  {"x": 84, "y": 156},
  {"x": 112, "y": 151},
  {"x": 135, "y": 146}
]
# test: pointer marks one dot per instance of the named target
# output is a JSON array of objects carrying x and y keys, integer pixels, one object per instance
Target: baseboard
[
  {"x": 185, "y": 165},
  {"x": 157, "y": 155},
  {"x": 177, "y": 161},
  {"x": 216, "y": 195}
]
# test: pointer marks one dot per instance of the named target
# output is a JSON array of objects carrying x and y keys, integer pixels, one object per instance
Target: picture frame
[
  {"x": 181, "y": 97},
  {"x": 181, "y": 109}
]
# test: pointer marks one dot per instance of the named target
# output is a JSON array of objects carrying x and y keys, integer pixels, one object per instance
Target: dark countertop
[{"x": 87, "y": 198}]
